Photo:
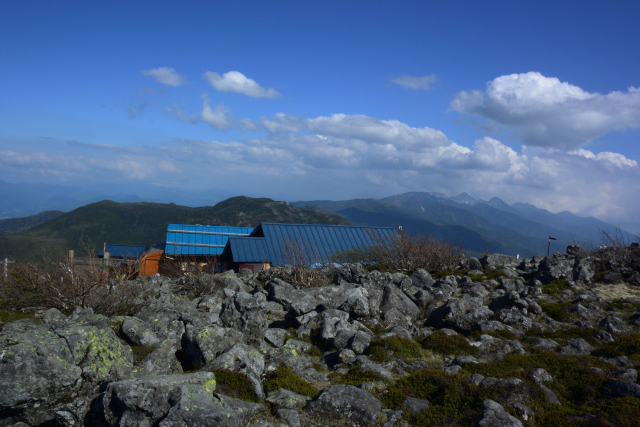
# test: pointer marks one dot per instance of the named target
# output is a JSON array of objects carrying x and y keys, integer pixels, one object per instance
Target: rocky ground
[{"x": 497, "y": 342}]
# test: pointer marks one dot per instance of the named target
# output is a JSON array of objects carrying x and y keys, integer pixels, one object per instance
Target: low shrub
[
  {"x": 573, "y": 381},
  {"x": 562, "y": 335},
  {"x": 557, "y": 310},
  {"x": 12, "y": 316},
  {"x": 356, "y": 376},
  {"x": 453, "y": 399},
  {"x": 60, "y": 284},
  {"x": 446, "y": 345},
  {"x": 628, "y": 345},
  {"x": 235, "y": 384},
  {"x": 403, "y": 252},
  {"x": 555, "y": 288},
  {"x": 284, "y": 377},
  {"x": 385, "y": 349}
]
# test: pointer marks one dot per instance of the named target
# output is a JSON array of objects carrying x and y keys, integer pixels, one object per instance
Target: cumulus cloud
[
  {"x": 615, "y": 159},
  {"x": 219, "y": 117},
  {"x": 418, "y": 83},
  {"x": 345, "y": 156},
  {"x": 235, "y": 81},
  {"x": 166, "y": 76},
  {"x": 549, "y": 113},
  {"x": 358, "y": 127}
]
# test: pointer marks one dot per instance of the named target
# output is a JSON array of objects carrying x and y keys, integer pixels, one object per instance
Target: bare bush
[
  {"x": 304, "y": 265},
  {"x": 616, "y": 247},
  {"x": 63, "y": 284},
  {"x": 402, "y": 252}
]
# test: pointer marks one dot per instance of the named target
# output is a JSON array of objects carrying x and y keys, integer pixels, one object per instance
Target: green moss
[
  {"x": 487, "y": 275},
  {"x": 356, "y": 376},
  {"x": 140, "y": 352},
  {"x": 562, "y": 335},
  {"x": 235, "y": 384},
  {"x": 558, "y": 311},
  {"x": 456, "y": 345},
  {"x": 12, "y": 316},
  {"x": 573, "y": 381},
  {"x": 377, "y": 329},
  {"x": 285, "y": 377},
  {"x": 386, "y": 349},
  {"x": 626, "y": 307},
  {"x": 623, "y": 412},
  {"x": 628, "y": 345},
  {"x": 453, "y": 399},
  {"x": 557, "y": 287}
]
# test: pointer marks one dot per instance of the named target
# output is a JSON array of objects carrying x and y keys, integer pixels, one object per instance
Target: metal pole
[{"x": 549, "y": 246}]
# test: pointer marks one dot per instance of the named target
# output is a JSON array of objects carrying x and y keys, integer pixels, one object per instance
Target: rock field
[{"x": 497, "y": 342}]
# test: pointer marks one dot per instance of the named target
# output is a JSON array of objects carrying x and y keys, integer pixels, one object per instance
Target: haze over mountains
[{"x": 478, "y": 225}]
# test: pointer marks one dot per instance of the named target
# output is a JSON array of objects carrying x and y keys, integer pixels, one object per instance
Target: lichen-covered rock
[
  {"x": 137, "y": 332},
  {"x": 161, "y": 361},
  {"x": 43, "y": 365},
  {"x": 619, "y": 388},
  {"x": 287, "y": 399},
  {"x": 245, "y": 360},
  {"x": 202, "y": 345},
  {"x": 355, "y": 406},
  {"x": 147, "y": 400},
  {"x": 494, "y": 415},
  {"x": 246, "y": 313},
  {"x": 460, "y": 314},
  {"x": 499, "y": 260},
  {"x": 37, "y": 369},
  {"x": 576, "y": 347}
]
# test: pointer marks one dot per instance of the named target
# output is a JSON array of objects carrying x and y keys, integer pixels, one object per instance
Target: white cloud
[
  {"x": 361, "y": 127},
  {"x": 235, "y": 81},
  {"x": 167, "y": 76},
  {"x": 219, "y": 118},
  {"x": 614, "y": 158},
  {"x": 549, "y": 113},
  {"x": 419, "y": 83},
  {"x": 345, "y": 156}
]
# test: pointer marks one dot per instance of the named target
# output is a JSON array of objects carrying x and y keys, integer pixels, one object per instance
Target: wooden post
[{"x": 6, "y": 268}]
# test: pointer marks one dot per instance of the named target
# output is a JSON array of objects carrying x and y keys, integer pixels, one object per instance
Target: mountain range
[
  {"x": 479, "y": 226},
  {"x": 88, "y": 227}
]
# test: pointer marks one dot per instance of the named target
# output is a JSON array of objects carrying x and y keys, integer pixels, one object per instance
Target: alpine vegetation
[{"x": 491, "y": 341}]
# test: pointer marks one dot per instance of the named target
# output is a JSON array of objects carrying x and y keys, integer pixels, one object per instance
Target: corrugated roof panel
[
  {"x": 188, "y": 239},
  {"x": 248, "y": 249},
  {"x": 318, "y": 241}
]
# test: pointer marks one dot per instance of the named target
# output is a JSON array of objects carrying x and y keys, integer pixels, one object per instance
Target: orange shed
[{"x": 149, "y": 263}]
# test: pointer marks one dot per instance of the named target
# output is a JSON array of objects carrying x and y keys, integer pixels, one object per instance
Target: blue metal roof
[
  {"x": 248, "y": 249},
  {"x": 312, "y": 242},
  {"x": 183, "y": 239},
  {"x": 124, "y": 251}
]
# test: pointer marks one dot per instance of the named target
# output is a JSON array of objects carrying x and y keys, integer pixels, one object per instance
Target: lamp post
[{"x": 549, "y": 246}]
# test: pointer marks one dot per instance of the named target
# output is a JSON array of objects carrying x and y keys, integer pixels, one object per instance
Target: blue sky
[{"x": 530, "y": 101}]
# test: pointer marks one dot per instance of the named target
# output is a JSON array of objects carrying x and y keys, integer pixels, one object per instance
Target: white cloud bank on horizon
[
  {"x": 418, "y": 83},
  {"x": 549, "y": 113},
  {"x": 167, "y": 76},
  {"x": 235, "y": 81},
  {"x": 349, "y": 156}
]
